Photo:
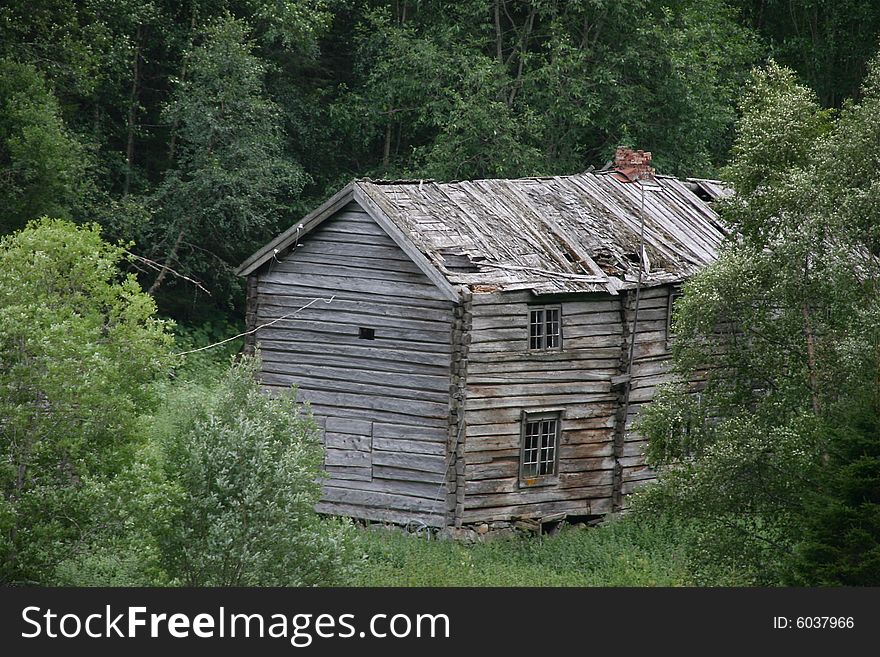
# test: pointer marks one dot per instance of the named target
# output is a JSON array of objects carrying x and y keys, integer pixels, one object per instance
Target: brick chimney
[{"x": 633, "y": 165}]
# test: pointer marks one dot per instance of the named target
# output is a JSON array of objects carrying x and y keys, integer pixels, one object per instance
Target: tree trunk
[{"x": 165, "y": 267}]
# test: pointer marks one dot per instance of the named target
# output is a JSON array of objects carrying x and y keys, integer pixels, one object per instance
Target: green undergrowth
[{"x": 622, "y": 552}]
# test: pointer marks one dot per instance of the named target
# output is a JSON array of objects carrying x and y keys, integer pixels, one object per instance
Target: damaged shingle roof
[
  {"x": 575, "y": 233},
  {"x": 558, "y": 234}
]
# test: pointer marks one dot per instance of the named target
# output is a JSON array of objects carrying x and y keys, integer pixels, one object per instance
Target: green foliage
[
  {"x": 43, "y": 168},
  {"x": 622, "y": 552},
  {"x": 247, "y": 466},
  {"x": 128, "y": 512},
  {"x": 492, "y": 89},
  {"x": 79, "y": 348},
  {"x": 828, "y": 42},
  {"x": 783, "y": 328},
  {"x": 231, "y": 183},
  {"x": 841, "y": 537}
]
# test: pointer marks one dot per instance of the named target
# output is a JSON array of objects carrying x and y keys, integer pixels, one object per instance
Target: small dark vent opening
[{"x": 366, "y": 333}]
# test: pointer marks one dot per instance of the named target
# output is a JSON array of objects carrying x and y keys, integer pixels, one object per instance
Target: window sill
[{"x": 538, "y": 481}]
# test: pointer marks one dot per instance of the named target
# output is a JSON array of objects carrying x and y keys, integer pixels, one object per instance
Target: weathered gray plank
[
  {"x": 390, "y": 472},
  {"x": 344, "y": 441},
  {"x": 422, "y": 462},
  {"x": 348, "y": 425},
  {"x": 390, "y": 380},
  {"x": 337, "y": 473},
  {"x": 346, "y": 457},
  {"x": 349, "y": 496},
  {"x": 427, "y": 357},
  {"x": 380, "y": 514}
]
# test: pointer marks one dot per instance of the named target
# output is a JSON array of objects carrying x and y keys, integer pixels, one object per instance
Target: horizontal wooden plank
[
  {"x": 330, "y": 283},
  {"x": 591, "y": 479},
  {"x": 550, "y": 356},
  {"x": 493, "y": 470},
  {"x": 347, "y": 457},
  {"x": 357, "y": 351},
  {"x": 525, "y": 496},
  {"x": 358, "y": 313},
  {"x": 344, "y": 441},
  {"x": 538, "y": 389},
  {"x": 309, "y": 384},
  {"x": 520, "y": 347},
  {"x": 579, "y": 365},
  {"x": 390, "y": 472},
  {"x": 410, "y": 446},
  {"x": 396, "y": 272},
  {"x": 500, "y": 401},
  {"x": 377, "y": 414},
  {"x": 422, "y": 431},
  {"x": 348, "y": 425},
  {"x": 322, "y": 290},
  {"x": 337, "y": 473},
  {"x": 426, "y": 491},
  {"x": 511, "y": 439},
  {"x": 292, "y": 330},
  {"x": 354, "y": 374},
  {"x": 591, "y": 416},
  {"x": 586, "y": 464},
  {"x": 333, "y": 248},
  {"x": 339, "y": 400},
  {"x": 361, "y": 498},
  {"x": 382, "y": 514},
  {"x": 422, "y": 462},
  {"x": 587, "y": 450}
]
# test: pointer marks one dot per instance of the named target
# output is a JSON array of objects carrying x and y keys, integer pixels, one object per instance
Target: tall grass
[{"x": 623, "y": 552}]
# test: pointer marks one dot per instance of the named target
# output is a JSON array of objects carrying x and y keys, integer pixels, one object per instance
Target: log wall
[{"x": 384, "y": 403}]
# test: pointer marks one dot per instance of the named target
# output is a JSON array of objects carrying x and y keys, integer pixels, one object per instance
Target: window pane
[
  {"x": 547, "y": 459},
  {"x": 552, "y": 328},
  {"x": 536, "y": 329},
  {"x": 539, "y": 447},
  {"x": 531, "y": 449}
]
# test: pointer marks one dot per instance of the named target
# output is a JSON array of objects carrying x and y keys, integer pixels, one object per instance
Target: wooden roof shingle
[{"x": 560, "y": 234}]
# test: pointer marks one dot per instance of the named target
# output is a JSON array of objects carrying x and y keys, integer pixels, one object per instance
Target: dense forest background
[
  {"x": 198, "y": 129},
  {"x": 148, "y": 146}
]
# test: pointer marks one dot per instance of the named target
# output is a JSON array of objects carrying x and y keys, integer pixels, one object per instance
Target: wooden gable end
[{"x": 373, "y": 358}]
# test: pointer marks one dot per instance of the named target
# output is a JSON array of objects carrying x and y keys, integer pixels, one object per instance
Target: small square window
[
  {"x": 545, "y": 327},
  {"x": 539, "y": 457},
  {"x": 366, "y": 333}
]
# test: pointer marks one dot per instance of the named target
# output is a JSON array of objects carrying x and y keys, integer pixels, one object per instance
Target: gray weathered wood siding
[
  {"x": 505, "y": 378},
  {"x": 651, "y": 367},
  {"x": 384, "y": 403}
]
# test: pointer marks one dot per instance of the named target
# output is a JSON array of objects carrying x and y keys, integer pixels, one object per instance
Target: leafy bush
[
  {"x": 247, "y": 467},
  {"x": 79, "y": 349}
]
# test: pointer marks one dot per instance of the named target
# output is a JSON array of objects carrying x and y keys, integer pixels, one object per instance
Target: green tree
[
  {"x": 231, "y": 182},
  {"x": 782, "y": 330},
  {"x": 43, "y": 167},
  {"x": 828, "y": 42},
  {"x": 496, "y": 88},
  {"x": 247, "y": 466},
  {"x": 79, "y": 348}
]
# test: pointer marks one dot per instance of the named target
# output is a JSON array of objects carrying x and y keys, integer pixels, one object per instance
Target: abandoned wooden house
[{"x": 476, "y": 352}]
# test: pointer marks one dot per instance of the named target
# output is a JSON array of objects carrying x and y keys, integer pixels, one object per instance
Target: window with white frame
[
  {"x": 545, "y": 327},
  {"x": 539, "y": 457}
]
